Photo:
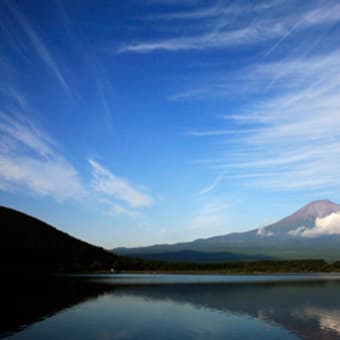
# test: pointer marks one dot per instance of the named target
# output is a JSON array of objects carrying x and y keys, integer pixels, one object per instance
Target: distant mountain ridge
[
  {"x": 295, "y": 236},
  {"x": 200, "y": 257}
]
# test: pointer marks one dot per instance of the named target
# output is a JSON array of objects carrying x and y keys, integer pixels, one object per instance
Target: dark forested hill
[{"x": 28, "y": 244}]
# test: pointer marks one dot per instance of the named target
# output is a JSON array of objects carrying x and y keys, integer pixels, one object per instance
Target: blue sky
[{"x": 139, "y": 122}]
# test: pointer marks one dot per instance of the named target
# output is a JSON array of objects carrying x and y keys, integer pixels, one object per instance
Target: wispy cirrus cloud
[
  {"x": 52, "y": 177},
  {"x": 173, "y": 2},
  {"x": 39, "y": 45},
  {"x": 119, "y": 210},
  {"x": 30, "y": 162},
  {"x": 210, "y": 216},
  {"x": 219, "y": 9},
  {"x": 214, "y": 133},
  {"x": 294, "y": 140},
  {"x": 23, "y": 132},
  {"x": 212, "y": 186},
  {"x": 107, "y": 183},
  {"x": 278, "y": 23},
  {"x": 250, "y": 34},
  {"x": 187, "y": 94}
]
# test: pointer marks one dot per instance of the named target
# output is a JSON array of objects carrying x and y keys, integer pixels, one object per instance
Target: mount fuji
[{"x": 311, "y": 232}]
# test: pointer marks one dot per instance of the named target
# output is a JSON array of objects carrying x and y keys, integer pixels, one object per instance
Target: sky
[{"x": 129, "y": 123}]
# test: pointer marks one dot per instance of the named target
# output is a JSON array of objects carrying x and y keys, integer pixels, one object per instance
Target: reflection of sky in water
[
  {"x": 124, "y": 317},
  {"x": 280, "y": 308},
  {"x": 328, "y": 319}
]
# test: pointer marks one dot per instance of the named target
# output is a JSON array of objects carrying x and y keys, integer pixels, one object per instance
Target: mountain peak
[
  {"x": 293, "y": 236},
  {"x": 302, "y": 218},
  {"x": 320, "y": 208}
]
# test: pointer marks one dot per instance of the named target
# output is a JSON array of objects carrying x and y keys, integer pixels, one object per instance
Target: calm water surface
[{"x": 172, "y": 307}]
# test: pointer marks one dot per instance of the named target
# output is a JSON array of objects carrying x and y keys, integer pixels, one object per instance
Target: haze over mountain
[{"x": 311, "y": 232}]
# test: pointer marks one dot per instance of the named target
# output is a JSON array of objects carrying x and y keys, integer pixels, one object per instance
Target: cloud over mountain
[{"x": 328, "y": 225}]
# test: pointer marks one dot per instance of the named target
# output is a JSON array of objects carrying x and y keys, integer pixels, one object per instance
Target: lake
[{"x": 138, "y": 306}]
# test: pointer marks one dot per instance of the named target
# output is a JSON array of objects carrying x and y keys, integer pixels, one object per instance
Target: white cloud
[
  {"x": 298, "y": 231},
  {"x": 293, "y": 143},
  {"x": 226, "y": 32},
  {"x": 109, "y": 184},
  {"x": 212, "y": 133},
  {"x": 321, "y": 15},
  {"x": 328, "y": 319},
  {"x": 263, "y": 231},
  {"x": 212, "y": 186},
  {"x": 251, "y": 34},
  {"x": 210, "y": 216},
  {"x": 29, "y": 162},
  {"x": 172, "y": 2},
  {"x": 40, "y": 47},
  {"x": 49, "y": 177},
  {"x": 187, "y": 94},
  {"x": 23, "y": 131},
  {"x": 118, "y": 210},
  {"x": 328, "y": 225},
  {"x": 220, "y": 10}
]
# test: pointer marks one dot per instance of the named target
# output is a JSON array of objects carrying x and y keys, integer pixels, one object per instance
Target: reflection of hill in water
[
  {"x": 27, "y": 300},
  {"x": 310, "y": 309}
]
